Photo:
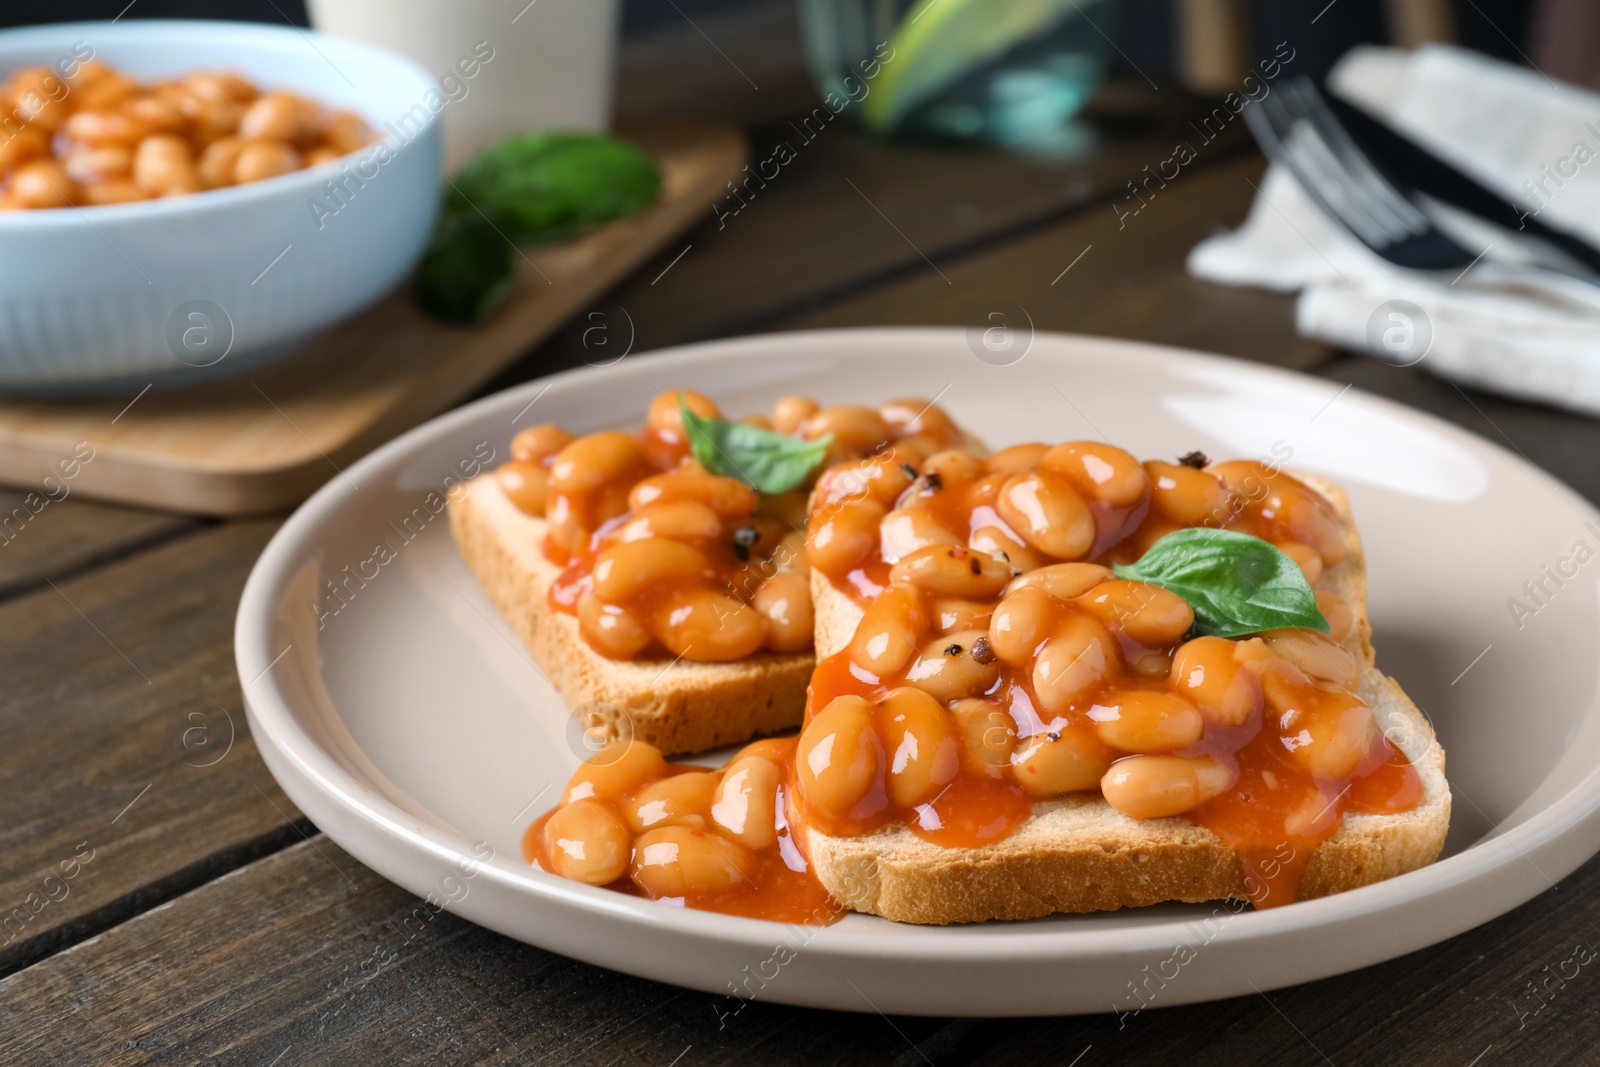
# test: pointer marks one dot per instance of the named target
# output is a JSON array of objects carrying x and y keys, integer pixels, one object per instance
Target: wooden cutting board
[{"x": 265, "y": 440}]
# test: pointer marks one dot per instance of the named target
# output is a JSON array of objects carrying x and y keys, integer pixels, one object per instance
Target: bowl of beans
[{"x": 186, "y": 200}]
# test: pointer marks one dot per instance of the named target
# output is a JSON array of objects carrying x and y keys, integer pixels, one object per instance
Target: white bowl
[{"x": 161, "y": 291}]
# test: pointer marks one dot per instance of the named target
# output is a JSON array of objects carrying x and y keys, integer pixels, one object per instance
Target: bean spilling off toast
[{"x": 1050, "y": 678}]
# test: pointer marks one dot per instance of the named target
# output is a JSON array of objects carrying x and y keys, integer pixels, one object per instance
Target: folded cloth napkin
[{"x": 1532, "y": 141}]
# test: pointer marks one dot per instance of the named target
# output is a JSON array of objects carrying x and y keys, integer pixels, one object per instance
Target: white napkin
[{"x": 1505, "y": 126}]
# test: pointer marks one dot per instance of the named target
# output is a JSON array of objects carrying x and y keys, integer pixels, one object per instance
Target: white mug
[{"x": 501, "y": 66}]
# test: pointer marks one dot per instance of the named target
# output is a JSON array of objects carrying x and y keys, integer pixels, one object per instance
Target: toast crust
[
  {"x": 680, "y": 707},
  {"x": 1078, "y": 854}
]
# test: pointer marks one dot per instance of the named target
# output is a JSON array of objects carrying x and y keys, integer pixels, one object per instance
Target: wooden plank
[
  {"x": 1518, "y": 990},
  {"x": 306, "y": 956},
  {"x": 1101, "y": 273},
  {"x": 264, "y": 440},
  {"x": 47, "y": 533},
  {"x": 848, "y": 210},
  {"x": 125, "y": 741}
]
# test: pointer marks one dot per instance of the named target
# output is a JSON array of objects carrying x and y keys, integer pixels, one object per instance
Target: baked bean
[
  {"x": 919, "y": 417},
  {"x": 1101, "y": 471},
  {"x": 1146, "y": 613},
  {"x": 614, "y": 771},
  {"x": 790, "y": 554},
  {"x": 535, "y": 444},
  {"x": 611, "y": 629},
  {"x": 92, "y": 165},
  {"x": 877, "y": 477},
  {"x": 218, "y": 86},
  {"x": 706, "y": 626},
  {"x": 259, "y": 160},
  {"x": 1068, "y": 760},
  {"x": 746, "y": 802},
  {"x": 1187, "y": 496},
  {"x": 1155, "y": 787},
  {"x": 904, "y": 530},
  {"x": 1016, "y": 458},
  {"x": 791, "y": 412},
  {"x": 163, "y": 165},
  {"x": 524, "y": 484},
  {"x": 784, "y": 600},
  {"x": 688, "y": 521},
  {"x": 852, "y": 426},
  {"x": 113, "y": 191},
  {"x": 157, "y": 114},
  {"x": 663, "y": 414},
  {"x": 844, "y": 535},
  {"x": 627, "y": 570},
  {"x": 954, "y": 467},
  {"x": 1327, "y": 732},
  {"x": 216, "y": 167},
  {"x": 590, "y": 462},
  {"x": 675, "y": 861},
  {"x": 1307, "y": 557},
  {"x": 1206, "y": 673},
  {"x": 587, "y": 842},
  {"x": 1146, "y": 720},
  {"x": 105, "y": 94},
  {"x": 1334, "y": 608},
  {"x": 1317, "y": 655},
  {"x": 728, "y": 497},
  {"x": 923, "y": 755},
  {"x": 988, "y": 733},
  {"x": 885, "y": 639},
  {"x": 1076, "y": 658},
  {"x": 916, "y": 449},
  {"x": 278, "y": 116},
  {"x": 315, "y": 157},
  {"x": 950, "y": 570},
  {"x": 677, "y": 800},
  {"x": 1020, "y": 624},
  {"x": 947, "y": 670},
  {"x": 950, "y": 614},
  {"x": 20, "y": 147},
  {"x": 1064, "y": 581},
  {"x": 993, "y": 541},
  {"x": 839, "y": 758},
  {"x": 1046, "y": 510},
  {"x": 344, "y": 132},
  {"x": 1312, "y": 521},
  {"x": 41, "y": 183},
  {"x": 104, "y": 127}
]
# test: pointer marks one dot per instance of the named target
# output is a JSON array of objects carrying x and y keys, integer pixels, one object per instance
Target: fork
[{"x": 1298, "y": 131}]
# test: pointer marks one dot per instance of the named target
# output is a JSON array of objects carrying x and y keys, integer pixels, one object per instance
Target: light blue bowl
[{"x": 174, "y": 291}]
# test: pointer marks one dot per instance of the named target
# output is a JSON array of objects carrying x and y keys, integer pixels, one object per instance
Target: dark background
[{"x": 1143, "y": 29}]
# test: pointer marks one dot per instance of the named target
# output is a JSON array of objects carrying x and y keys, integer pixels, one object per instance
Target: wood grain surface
[{"x": 204, "y": 920}]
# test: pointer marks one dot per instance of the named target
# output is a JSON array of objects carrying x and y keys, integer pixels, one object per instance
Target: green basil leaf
[
  {"x": 467, "y": 271},
  {"x": 542, "y": 187},
  {"x": 772, "y": 462},
  {"x": 1237, "y": 584}
]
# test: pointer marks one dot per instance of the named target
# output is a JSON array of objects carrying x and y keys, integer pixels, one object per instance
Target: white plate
[{"x": 413, "y": 730}]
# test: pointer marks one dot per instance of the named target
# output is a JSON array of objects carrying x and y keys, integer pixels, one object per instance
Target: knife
[{"x": 1403, "y": 159}]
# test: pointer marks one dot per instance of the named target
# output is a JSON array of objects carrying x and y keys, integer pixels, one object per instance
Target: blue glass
[{"x": 1007, "y": 71}]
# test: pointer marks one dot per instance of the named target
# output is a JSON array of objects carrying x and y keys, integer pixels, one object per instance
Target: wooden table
[{"x": 206, "y": 919}]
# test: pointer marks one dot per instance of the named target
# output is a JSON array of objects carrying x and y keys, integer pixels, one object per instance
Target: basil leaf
[
  {"x": 1237, "y": 584},
  {"x": 542, "y": 187},
  {"x": 467, "y": 271},
  {"x": 772, "y": 462},
  {"x": 530, "y": 189}
]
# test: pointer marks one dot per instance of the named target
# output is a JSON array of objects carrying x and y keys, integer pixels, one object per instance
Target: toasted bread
[
  {"x": 1077, "y": 853},
  {"x": 678, "y": 706}
]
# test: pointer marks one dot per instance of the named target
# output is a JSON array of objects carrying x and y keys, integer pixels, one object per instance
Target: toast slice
[
  {"x": 677, "y": 706},
  {"x": 1077, "y": 853}
]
